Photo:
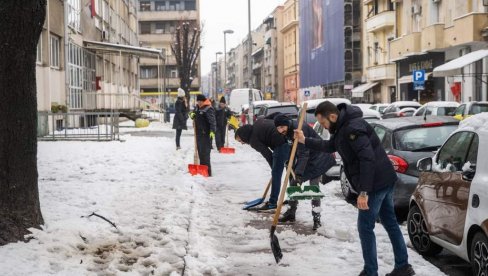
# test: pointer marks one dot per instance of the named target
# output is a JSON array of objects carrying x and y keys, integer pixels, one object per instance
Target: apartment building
[
  {"x": 158, "y": 20},
  {"x": 291, "y": 57},
  {"x": 273, "y": 55},
  {"x": 430, "y": 33},
  {"x": 379, "y": 73}
]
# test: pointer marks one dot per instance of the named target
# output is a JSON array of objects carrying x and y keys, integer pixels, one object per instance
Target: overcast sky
[{"x": 220, "y": 15}]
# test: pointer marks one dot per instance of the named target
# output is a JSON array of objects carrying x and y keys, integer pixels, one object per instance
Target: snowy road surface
[{"x": 169, "y": 223}]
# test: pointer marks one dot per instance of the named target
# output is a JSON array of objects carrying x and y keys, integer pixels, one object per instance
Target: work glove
[
  {"x": 212, "y": 135},
  {"x": 192, "y": 115}
]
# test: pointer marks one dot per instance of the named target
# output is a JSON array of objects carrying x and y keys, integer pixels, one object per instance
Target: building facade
[
  {"x": 431, "y": 33},
  {"x": 291, "y": 57},
  {"x": 273, "y": 55},
  {"x": 158, "y": 21}
]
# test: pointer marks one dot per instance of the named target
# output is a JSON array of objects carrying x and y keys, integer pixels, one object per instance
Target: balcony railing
[{"x": 380, "y": 21}]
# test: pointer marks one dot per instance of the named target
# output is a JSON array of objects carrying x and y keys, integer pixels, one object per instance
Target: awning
[
  {"x": 358, "y": 91},
  {"x": 123, "y": 49},
  {"x": 455, "y": 66},
  {"x": 409, "y": 78}
]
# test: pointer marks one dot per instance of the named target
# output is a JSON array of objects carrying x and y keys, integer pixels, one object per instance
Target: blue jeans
[
  {"x": 281, "y": 154},
  {"x": 380, "y": 204}
]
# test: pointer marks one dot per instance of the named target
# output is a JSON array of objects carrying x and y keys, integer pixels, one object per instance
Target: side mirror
[
  {"x": 424, "y": 165},
  {"x": 469, "y": 173}
]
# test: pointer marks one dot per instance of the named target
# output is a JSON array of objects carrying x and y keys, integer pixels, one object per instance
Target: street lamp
[
  {"x": 226, "y": 32},
  {"x": 216, "y": 74}
]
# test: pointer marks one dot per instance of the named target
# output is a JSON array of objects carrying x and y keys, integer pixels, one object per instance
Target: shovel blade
[
  {"x": 275, "y": 246},
  {"x": 227, "y": 150},
  {"x": 198, "y": 170},
  {"x": 253, "y": 203}
]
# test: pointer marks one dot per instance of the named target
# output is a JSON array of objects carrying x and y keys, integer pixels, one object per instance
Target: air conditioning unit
[{"x": 416, "y": 9}]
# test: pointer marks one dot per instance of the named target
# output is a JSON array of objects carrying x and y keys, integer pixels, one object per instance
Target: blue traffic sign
[
  {"x": 419, "y": 76},
  {"x": 307, "y": 93},
  {"x": 418, "y": 86}
]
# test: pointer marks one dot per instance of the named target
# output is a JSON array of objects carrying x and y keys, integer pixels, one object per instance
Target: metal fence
[{"x": 95, "y": 126}]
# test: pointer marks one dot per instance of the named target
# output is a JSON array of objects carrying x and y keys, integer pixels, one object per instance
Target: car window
[
  {"x": 420, "y": 112},
  {"x": 310, "y": 118},
  {"x": 478, "y": 108},
  {"x": 473, "y": 150},
  {"x": 452, "y": 156},
  {"x": 282, "y": 109},
  {"x": 460, "y": 110},
  {"x": 422, "y": 139},
  {"x": 446, "y": 111},
  {"x": 381, "y": 132},
  {"x": 261, "y": 111},
  {"x": 428, "y": 111},
  {"x": 382, "y": 109},
  {"x": 373, "y": 107}
]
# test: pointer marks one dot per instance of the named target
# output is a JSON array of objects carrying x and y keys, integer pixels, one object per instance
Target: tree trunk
[{"x": 21, "y": 23}]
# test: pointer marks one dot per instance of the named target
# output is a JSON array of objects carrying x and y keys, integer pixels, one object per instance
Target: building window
[
  {"x": 54, "y": 54},
  {"x": 190, "y": 5},
  {"x": 149, "y": 72},
  {"x": 145, "y": 6},
  {"x": 39, "y": 51},
  {"x": 145, "y": 27},
  {"x": 81, "y": 72},
  {"x": 74, "y": 19},
  {"x": 160, "y": 5},
  {"x": 160, "y": 27}
]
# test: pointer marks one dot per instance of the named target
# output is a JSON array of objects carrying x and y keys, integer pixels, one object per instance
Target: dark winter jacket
[
  {"x": 309, "y": 164},
  {"x": 366, "y": 164},
  {"x": 205, "y": 119},
  {"x": 222, "y": 115},
  {"x": 264, "y": 138},
  {"x": 181, "y": 114}
]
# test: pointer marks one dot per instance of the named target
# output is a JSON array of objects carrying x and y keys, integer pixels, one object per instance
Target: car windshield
[
  {"x": 422, "y": 138},
  {"x": 310, "y": 118},
  {"x": 382, "y": 108},
  {"x": 371, "y": 119},
  {"x": 446, "y": 111},
  {"x": 283, "y": 109},
  {"x": 478, "y": 108}
]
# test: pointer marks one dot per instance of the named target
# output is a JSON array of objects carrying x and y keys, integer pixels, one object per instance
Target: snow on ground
[{"x": 169, "y": 223}]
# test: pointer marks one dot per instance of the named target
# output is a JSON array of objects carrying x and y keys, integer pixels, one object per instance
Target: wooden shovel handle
[
  {"x": 196, "y": 160},
  {"x": 267, "y": 189},
  {"x": 289, "y": 168}
]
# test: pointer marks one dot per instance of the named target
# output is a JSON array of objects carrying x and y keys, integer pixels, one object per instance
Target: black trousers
[
  {"x": 204, "y": 146},
  {"x": 178, "y": 137},
  {"x": 220, "y": 137}
]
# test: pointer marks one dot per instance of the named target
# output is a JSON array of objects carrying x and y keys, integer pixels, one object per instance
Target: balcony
[
  {"x": 381, "y": 72},
  {"x": 466, "y": 29},
  {"x": 433, "y": 37},
  {"x": 404, "y": 46},
  {"x": 167, "y": 15},
  {"x": 170, "y": 83},
  {"x": 154, "y": 61},
  {"x": 380, "y": 21},
  {"x": 155, "y": 38}
]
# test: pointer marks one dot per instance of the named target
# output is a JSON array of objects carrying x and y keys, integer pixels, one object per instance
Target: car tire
[
  {"x": 479, "y": 254},
  {"x": 348, "y": 194},
  {"x": 418, "y": 234}
]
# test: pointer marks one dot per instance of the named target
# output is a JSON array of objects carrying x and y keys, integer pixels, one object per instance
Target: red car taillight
[
  {"x": 401, "y": 114},
  {"x": 399, "y": 164}
]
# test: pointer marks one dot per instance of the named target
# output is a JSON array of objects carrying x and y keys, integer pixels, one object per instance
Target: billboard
[{"x": 321, "y": 42}]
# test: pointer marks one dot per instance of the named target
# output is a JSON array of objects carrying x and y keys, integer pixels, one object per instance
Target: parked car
[
  {"x": 255, "y": 107},
  {"x": 335, "y": 172},
  {"x": 312, "y": 105},
  {"x": 363, "y": 106},
  {"x": 379, "y": 107},
  {"x": 285, "y": 108},
  {"x": 397, "y": 109},
  {"x": 239, "y": 97},
  {"x": 449, "y": 208},
  {"x": 437, "y": 109},
  {"x": 469, "y": 109},
  {"x": 407, "y": 140}
]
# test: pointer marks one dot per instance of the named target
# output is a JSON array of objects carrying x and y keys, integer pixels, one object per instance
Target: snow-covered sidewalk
[{"x": 169, "y": 223}]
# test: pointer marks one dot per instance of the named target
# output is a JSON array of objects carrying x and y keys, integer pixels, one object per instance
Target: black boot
[
  {"x": 316, "y": 221},
  {"x": 403, "y": 271},
  {"x": 289, "y": 215}
]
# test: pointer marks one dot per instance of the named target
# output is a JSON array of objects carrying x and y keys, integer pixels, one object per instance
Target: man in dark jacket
[
  {"x": 181, "y": 116},
  {"x": 370, "y": 172},
  {"x": 204, "y": 116},
  {"x": 263, "y": 137},
  {"x": 309, "y": 165},
  {"x": 222, "y": 115}
]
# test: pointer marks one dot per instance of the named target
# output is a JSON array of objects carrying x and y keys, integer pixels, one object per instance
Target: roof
[
  {"x": 381, "y": 104},
  {"x": 123, "y": 49},
  {"x": 455, "y": 66},
  {"x": 260, "y": 103},
  {"x": 405, "y": 122},
  {"x": 371, "y": 113},
  {"x": 442, "y": 104},
  {"x": 312, "y": 104},
  {"x": 406, "y": 103},
  {"x": 477, "y": 123}
]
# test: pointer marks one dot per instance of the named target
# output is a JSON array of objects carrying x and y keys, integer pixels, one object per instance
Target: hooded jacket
[
  {"x": 181, "y": 114},
  {"x": 205, "y": 119},
  {"x": 366, "y": 164}
]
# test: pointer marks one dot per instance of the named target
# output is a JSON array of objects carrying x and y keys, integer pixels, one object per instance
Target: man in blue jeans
[
  {"x": 370, "y": 172},
  {"x": 265, "y": 139}
]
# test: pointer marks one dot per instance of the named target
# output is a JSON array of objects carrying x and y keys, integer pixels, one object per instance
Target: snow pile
[
  {"x": 475, "y": 123},
  {"x": 169, "y": 223}
]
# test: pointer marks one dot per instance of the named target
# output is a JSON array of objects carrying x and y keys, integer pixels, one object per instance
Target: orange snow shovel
[
  {"x": 275, "y": 245},
  {"x": 196, "y": 168},
  {"x": 226, "y": 149}
]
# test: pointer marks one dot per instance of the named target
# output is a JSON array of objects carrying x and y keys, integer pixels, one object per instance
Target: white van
[{"x": 239, "y": 97}]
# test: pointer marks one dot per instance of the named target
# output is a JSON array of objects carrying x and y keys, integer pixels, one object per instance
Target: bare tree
[
  {"x": 22, "y": 23},
  {"x": 186, "y": 49}
]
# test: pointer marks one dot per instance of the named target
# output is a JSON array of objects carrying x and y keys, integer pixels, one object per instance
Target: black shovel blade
[{"x": 275, "y": 246}]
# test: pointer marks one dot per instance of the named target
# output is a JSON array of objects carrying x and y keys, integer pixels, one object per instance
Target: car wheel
[
  {"x": 346, "y": 188},
  {"x": 479, "y": 254},
  {"x": 419, "y": 236}
]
